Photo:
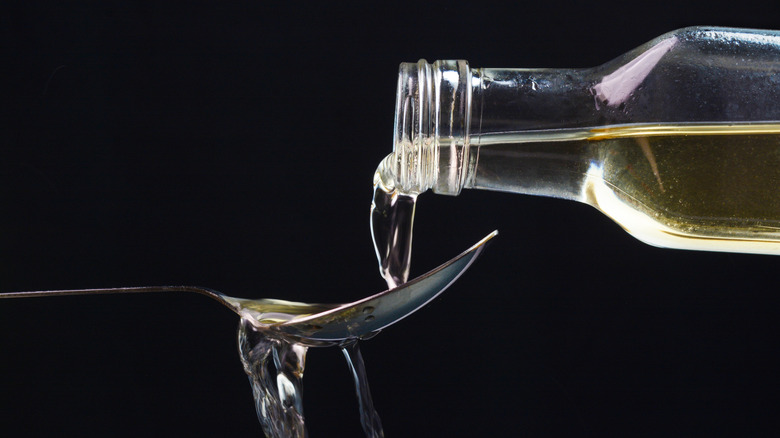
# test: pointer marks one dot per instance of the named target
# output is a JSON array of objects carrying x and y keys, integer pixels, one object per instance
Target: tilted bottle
[{"x": 678, "y": 141}]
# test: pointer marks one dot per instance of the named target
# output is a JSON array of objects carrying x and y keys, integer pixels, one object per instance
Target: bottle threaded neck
[{"x": 432, "y": 117}]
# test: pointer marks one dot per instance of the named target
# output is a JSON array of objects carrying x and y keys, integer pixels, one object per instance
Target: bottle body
[{"x": 678, "y": 141}]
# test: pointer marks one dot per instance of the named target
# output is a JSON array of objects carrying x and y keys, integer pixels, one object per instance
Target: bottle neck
[
  {"x": 432, "y": 123},
  {"x": 445, "y": 110}
]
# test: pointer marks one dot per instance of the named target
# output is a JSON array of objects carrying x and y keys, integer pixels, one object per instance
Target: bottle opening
[{"x": 432, "y": 118}]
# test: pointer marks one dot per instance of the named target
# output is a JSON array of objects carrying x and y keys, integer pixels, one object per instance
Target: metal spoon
[{"x": 319, "y": 324}]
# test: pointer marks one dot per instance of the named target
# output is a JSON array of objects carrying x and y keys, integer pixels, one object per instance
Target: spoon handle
[{"x": 118, "y": 290}]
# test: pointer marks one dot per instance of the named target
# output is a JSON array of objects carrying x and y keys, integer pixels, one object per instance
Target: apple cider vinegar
[{"x": 690, "y": 186}]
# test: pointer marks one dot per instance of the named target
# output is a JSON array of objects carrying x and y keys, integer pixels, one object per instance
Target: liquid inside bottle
[{"x": 689, "y": 186}]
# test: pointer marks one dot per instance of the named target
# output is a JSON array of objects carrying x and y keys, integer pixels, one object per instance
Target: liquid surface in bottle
[{"x": 690, "y": 186}]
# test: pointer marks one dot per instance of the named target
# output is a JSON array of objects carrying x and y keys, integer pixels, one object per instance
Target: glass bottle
[{"x": 678, "y": 141}]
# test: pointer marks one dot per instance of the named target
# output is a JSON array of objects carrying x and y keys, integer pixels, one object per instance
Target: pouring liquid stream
[
  {"x": 275, "y": 364},
  {"x": 392, "y": 218}
]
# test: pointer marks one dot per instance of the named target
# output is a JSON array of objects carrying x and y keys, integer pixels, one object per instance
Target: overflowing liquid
[{"x": 275, "y": 364}]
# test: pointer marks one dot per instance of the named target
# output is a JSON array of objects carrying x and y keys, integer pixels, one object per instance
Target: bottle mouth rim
[{"x": 431, "y": 128}]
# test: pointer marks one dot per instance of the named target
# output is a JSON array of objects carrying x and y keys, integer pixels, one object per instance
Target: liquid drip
[{"x": 369, "y": 417}]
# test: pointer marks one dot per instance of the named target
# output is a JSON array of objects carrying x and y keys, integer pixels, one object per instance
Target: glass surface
[{"x": 677, "y": 140}]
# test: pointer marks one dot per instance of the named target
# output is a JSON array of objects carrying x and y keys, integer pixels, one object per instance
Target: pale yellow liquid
[
  {"x": 708, "y": 187},
  {"x": 712, "y": 187}
]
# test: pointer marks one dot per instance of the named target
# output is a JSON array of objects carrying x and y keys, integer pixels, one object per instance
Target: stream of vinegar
[{"x": 275, "y": 364}]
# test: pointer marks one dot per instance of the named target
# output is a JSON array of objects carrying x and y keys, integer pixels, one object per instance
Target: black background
[{"x": 232, "y": 144}]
